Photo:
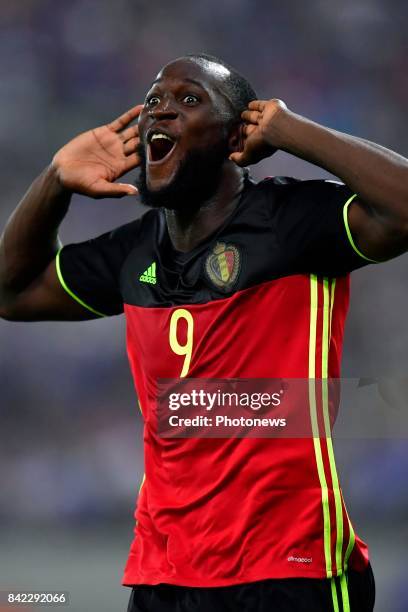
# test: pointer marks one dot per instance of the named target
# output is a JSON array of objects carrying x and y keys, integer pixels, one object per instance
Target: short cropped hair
[{"x": 236, "y": 87}]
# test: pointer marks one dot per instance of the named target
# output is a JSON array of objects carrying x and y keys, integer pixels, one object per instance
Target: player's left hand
[{"x": 258, "y": 131}]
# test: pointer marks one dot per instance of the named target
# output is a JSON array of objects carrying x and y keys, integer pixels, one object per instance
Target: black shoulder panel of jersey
[
  {"x": 308, "y": 217},
  {"x": 91, "y": 269},
  {"x": 280, "y": 227}
]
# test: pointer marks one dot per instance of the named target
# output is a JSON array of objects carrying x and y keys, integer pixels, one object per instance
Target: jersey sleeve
[
  {"x": 90, "y": 271},
  {"x": 311, "y": 224}
]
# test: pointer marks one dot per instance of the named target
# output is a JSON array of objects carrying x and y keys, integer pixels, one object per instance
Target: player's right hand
[{"x": 92, "y": 162}]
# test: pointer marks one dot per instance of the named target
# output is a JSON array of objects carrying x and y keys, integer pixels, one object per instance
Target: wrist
[
  {"x": 52, "y": 178},
  {"x": 282, "y": 128}
]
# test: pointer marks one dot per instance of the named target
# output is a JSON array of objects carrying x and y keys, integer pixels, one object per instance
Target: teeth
[{"x": 157, "y": 136}]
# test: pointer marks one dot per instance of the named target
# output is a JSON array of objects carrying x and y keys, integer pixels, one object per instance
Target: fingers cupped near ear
[
  {"x": 129, "y": 133},
  {"x": 129, "y": 147},
  {"x": 258, "y": 105},
  {"x": 123, "y": 121},
  {"x": 249, "y": 129},
  {"x": 131, "y": 161},
  {"x": 251, "y": 116},
  {"x": 238, "y": 158},
  {"x": 119, "y": 190},
  {"x": 105, "y": 189}
]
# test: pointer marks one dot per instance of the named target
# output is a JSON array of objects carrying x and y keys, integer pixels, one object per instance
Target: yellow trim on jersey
[
  {"x": 349, "y": 235},
  {"x": 68, "y": 290},
  {"x": 341, "y": 565},
  {"x": 326, "y": 417},
  {"x": 315, "y": 426}
]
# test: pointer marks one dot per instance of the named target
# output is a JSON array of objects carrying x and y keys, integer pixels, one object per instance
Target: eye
[
  {"x": 152, "y": 101},
  {"x": 190, "y": 99}
]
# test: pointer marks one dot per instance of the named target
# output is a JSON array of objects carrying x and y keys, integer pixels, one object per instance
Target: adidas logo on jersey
[{"x": 149, "y": 275}]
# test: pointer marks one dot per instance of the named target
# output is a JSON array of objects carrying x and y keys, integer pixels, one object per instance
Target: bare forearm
[
  {"x": 30, "y": 239},
  {"x": 378, "y": 175}
]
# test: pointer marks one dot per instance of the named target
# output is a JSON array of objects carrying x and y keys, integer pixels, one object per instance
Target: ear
[{"x": 236, "y": 138}]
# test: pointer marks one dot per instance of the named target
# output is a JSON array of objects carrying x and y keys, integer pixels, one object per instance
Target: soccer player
[{"x": 222, "y": 278}]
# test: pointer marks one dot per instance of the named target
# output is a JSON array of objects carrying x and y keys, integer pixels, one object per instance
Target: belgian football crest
[{"x": 222, "y": 265}]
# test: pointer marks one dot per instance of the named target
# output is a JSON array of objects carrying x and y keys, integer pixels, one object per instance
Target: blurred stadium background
[{"x": 70, "y": 444}]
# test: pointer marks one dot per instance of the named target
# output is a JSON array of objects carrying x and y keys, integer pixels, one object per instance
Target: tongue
[{"x": 159, "y": 148}]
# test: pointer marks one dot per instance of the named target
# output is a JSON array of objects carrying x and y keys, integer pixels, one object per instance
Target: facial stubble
[{"x": 195, "y": 182}]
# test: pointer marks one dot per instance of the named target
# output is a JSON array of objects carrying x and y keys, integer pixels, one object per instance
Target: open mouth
[{"x": 160, "y": 146}]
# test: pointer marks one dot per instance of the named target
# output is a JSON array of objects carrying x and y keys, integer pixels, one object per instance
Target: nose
[{"x": 164, "y": 110}]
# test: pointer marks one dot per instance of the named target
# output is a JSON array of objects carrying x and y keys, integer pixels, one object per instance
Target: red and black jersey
[{"x": 265, "y": 296}]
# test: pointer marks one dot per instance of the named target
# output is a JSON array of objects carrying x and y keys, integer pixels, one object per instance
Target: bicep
[
  {"x": 45, "y": 299},
  {"x": 371, "y": 235}
]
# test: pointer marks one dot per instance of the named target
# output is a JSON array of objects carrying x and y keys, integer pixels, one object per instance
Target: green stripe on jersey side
[
  {"x": 334, "y": 595},
  {"x": 326, "y": 417},
  {"x": 332, "y": 290},
  {"x": 68, "y": 290},
  {"x": 349, "y": 236},
  {"x": 315, "y": 426},
  {"x": 345, "y": 601},
  {"x": 341, "y": 564},
  {"x": 350, "y": 546},
  {"x": 344, "y": 593}
]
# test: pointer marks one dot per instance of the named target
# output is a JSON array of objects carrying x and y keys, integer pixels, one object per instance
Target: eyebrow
[{"x": 194, "y": 82}]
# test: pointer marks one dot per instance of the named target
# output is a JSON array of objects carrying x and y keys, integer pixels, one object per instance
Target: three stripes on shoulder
[{"x": 149, "y": 275}]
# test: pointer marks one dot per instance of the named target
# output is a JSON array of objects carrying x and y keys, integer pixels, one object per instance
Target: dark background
[{"x": 70, "y": 443}]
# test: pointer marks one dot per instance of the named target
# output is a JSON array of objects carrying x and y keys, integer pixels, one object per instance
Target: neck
[{"x": 187, "y": 228}]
